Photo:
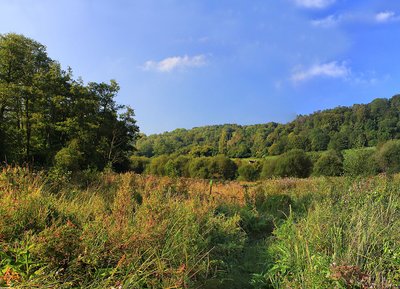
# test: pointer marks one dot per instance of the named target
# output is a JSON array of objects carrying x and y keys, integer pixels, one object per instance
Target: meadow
[{"x": 108, "y": 230}]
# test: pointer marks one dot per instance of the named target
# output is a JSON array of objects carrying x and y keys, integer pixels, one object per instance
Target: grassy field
[{"x": 106, "y": 230}]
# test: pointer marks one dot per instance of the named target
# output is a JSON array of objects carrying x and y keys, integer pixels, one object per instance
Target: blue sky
[{"x": 186, "y": 63}]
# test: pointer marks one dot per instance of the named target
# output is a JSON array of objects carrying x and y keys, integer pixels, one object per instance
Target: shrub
[
  {"x": 139, "y": 164},
  {"x": 157, "y": 165},
  {"x": 388, "y": 157},
  {"x": 69, "y": 158},
  {"x": 360, "y": 162},
  {"x": 221, "y": 167},
  {"x": 249, "y": 172},
  {"x": 198, "y": 168},
  {"x": 177, "y": 167},
  {"x": 294, "y": 163},
  {"x": 329, "y": 164},
  {"x": 268, "y": 169}
]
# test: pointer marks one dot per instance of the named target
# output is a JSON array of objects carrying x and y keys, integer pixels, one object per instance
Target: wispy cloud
[
  {"x": 386, "y": 16},
  {"x": 338, "y": 19},
  {"x": 176, "y": 62},
  {"x": 331, "y": 69},
  {"x": 329, "y": 21},
  {"x": 315, "y": 3}
]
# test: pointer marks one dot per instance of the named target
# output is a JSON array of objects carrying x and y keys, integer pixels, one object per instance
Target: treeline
[
  {"x": 48, "y": 118},
  {"x": 341, "y": 128},
  {"x": 295, "y": 163}
]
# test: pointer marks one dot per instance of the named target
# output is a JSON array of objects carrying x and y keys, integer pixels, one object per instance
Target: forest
[
  {"x": 87, "y": 201},
  {"x": 357, "y": 140},
  {"x": 341, "y": 128}
]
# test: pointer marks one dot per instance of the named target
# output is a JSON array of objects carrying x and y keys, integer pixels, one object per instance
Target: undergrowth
[{"x": 105, "y": 230}]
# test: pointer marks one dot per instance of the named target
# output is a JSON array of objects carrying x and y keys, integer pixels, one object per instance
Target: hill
[{"x": 340, "y": 128}]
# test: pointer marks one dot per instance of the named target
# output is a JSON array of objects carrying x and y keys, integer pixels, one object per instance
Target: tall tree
[{"x": 46, "y": 115}]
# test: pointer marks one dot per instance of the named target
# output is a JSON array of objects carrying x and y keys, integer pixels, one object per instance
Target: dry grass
[{"x": 138, "y": 231}]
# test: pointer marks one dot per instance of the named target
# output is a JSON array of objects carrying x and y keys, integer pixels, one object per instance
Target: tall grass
[
  {"x": 104, "y": 230},
  {"x": 350, "y": 238}
]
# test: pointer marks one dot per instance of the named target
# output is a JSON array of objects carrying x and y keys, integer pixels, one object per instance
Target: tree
[
  {"x": 223, "y": 140},
  {"x": 69, "y": 158},
  {"x": 157, "y": 165},
  {"x": 177, "y": 167},
  {"x": 319, "y": 140},
  {"x": 21, "y": 61},
  {"x": 43, "y": 110},
  {"x": 339, "y": 141}
]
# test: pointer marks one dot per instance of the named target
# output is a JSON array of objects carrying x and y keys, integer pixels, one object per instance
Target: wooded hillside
[{"x": 358, "y": 126}]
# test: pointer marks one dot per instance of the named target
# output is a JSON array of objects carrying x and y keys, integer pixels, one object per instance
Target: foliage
[
  {"x": 268, "y": 170},
  {"x": 198, "y": 168},
  {"x": 329, "y": 164},
  {"x": 69, "y": 158},
  {"x": 157, "y": 165},
  {"x": 139, "y": 164},
  {"x": 341, "y": 128},
  {"x": 388, "y": 157},
  {"x": 221, "y": 167},
  {"x": 294, "y": 163},
  {"x": 360, "y": 162},
  {"x": 249, "y": 171},
  {"x": 47, "y": 117}
]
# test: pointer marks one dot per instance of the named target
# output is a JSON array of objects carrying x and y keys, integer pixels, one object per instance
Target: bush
[
  {"x": 268, "y": 170},
  {"x": 198, "y": 168},
  {"x": 157, "y": 165},
  {"x": 329, "y": 164},
  {"x": 388, "y": 157},
  {"x": 249, "y": 172},
  {"x": 177, "y": 167},
  {"x": 360, "y": 162},
  {"x": 221, "y": 167},
  {"x": 139, "y": 164},
  {"x": 294, "y": 163},
  {"x": 69, "y": 158}
]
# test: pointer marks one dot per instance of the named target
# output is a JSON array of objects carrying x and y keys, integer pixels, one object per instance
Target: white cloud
[
  {"x": 314, "y": 3},
  {"x": 331, "y": 69},
  {"x": 176, "y": 62},
  {"x": 386, "y": 16},
  {"x": 334, "y": 20},
  {"x": 326, "y": 22}
]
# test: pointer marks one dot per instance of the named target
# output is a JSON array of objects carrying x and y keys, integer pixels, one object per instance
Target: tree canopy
[
  {"x": 47, "y": 117},
  {"x": 341, "y": 128}
]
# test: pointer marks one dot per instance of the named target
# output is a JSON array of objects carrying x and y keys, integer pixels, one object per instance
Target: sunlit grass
[{"x": 105, "y": 230}]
